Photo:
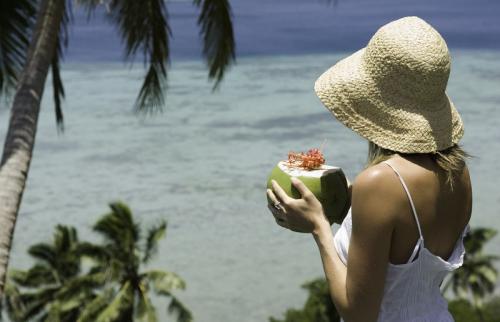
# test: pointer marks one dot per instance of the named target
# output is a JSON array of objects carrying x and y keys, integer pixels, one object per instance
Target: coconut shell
[{"x": 328, "y": 184}]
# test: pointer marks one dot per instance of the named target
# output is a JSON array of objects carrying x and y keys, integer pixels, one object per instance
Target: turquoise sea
[{"x": 203, "y": 163}]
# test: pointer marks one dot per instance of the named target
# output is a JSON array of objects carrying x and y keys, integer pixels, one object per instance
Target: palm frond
[
  {"x": 57, "y": 83},
  {"x": 16, "y": 20},
  {"x": 123, "y": 300},
  {"x": 13, "y": 303},
  {"x": 38, "y": 275},
  {"x": 60, "y": 311},
  {"x": 81, "y": 285},
  {"x": 96, "y": 252},
  {"x": 68, "y": 307},
  {"x": 164, "y": 282},
  {"x": 119, "y": 228},
  {"x": 54, "y": 313},
  {"x": 144, "y": 28},
  {"x": 35, "y": 302},
  {"x": 65, "y": 238},
  {"x": 96, "y": 306},
  {"x": 477, "y": 238},
  {"x": 218, "y": 36},
  {"x": 58, "y": 91},
  {"x": 155, "y": 233},
  {"x": 44, "y": 253},
  {"x": 176, "y": 307},
  {"x": 145, "y": 311}
]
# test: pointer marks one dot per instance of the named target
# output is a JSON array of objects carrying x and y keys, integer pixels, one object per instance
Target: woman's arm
[{"x": 357, "y": 289}]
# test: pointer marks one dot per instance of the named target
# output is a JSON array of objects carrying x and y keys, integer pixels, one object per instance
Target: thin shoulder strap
[{"x": 411, "y": 200}]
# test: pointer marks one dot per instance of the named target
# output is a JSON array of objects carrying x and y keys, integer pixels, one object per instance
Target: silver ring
[{"x": 277, "y": 205}]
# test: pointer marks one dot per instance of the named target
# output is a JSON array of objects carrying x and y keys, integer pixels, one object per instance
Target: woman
[{"x": 411, "y": 206}]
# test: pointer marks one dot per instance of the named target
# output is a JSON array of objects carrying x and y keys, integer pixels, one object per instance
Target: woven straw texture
[{"x": 392, "y": 92}]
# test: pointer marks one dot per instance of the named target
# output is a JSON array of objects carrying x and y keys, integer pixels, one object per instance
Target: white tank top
[{"x": 412, "y": 290}]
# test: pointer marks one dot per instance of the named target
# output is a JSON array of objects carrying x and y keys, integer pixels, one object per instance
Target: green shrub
[
  {"x": 318, "y": 306},
  {"x": 463, "y": 311}
]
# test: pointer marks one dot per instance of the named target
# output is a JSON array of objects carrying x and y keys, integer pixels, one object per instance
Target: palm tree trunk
[{"x": 20, "y": 138}]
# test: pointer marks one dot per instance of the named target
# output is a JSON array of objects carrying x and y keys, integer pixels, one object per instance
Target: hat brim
[{"x": 389, "y": 120}]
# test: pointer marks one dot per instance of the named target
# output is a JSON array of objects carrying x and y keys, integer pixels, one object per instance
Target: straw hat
[{"x": 392, "y": 92}]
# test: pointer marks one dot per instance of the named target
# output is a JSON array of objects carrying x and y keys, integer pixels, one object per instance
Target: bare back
[{"x": 443, "y": 214}]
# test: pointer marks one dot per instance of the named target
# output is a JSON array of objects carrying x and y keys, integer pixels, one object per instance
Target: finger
[
  {"x": 272, "y": 197},
  {"x": 278, "y": 214},
  {"x": 301, "y": 187},
  {"x": 279, "y": 217},
  {"x": 280, "y": 193}
]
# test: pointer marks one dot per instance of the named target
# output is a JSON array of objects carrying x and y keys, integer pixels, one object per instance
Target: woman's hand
[{"x": 303, "y": 215}]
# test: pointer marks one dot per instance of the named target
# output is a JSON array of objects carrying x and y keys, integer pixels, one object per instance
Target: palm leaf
[
  {"x": 36, "y": 276},
  {"x": 93, "y": 251},
  {"x": 13, "y": 303},
  {"x": 65, "y": 238},
  {"x": 35, "y": 302},
  {"x": 16, "y": 20},
  {"x": 477, "y": 238},
  {"x": 54, "y": 313},
  {"x": 176, "y": 307},
  {"x": 123, "y": 300},
  {"x": 58, "y": 92},
  {"x": 477, "y": 277},
  {"x": 57, "y": 84},
  {"x": 144, "y": 29},
  {"x": 81, "y": 285},
  {"x": 96, "y": 306},
  {"x": 118, "y": 226},
  {"x": 155, "y": 233},
  {"x": 121, "y": 235},
  {"x": 164, "y": 282},
  {"x": 145, "y": 309},
  {"x": 218, "y": 37},
  {"x": 66, "y": 246},
  {"x": 45, "y": 253}
]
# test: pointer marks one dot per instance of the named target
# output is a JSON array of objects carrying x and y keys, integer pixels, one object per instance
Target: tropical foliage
[
  {"x": 16, "y": 19},
  {"x": 48, "y": 291},
  {"x": 112, "y": 288},
  {"x": 477, "y": 277},
  {"x": 318, "y": 306},
  {"x": 33, "y": 36},
  {"x": 463, "y": 311}
]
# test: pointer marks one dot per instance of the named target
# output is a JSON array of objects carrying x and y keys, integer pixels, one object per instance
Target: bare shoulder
[
  {"x": 466, "y": 177},
  {"x": 467, "y": 186},
  {"x": 376, "y": 192},
  {"x": 373, "y": 176}
]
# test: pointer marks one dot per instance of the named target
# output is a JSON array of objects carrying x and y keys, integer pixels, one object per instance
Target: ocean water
[
  {"x": 202, "y": 165},
  {"x": 297, "y": 27}
]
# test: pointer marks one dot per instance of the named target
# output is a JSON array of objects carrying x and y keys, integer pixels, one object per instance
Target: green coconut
[{"x": 327, "y": 183}]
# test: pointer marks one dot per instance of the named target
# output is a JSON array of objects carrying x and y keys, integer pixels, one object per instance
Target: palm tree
[
  {"x": 52, "y": 289},
  {"x": 126, "y": 297},
  {"x": 24, "y": 65},
  {"x": 477, "y": 277}
]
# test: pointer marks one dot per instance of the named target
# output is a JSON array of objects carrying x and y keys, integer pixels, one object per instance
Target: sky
[{"x": 292, "y": 27}]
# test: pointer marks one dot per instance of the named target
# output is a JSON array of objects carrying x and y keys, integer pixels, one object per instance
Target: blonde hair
[{"x": 450, "y": 160}]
